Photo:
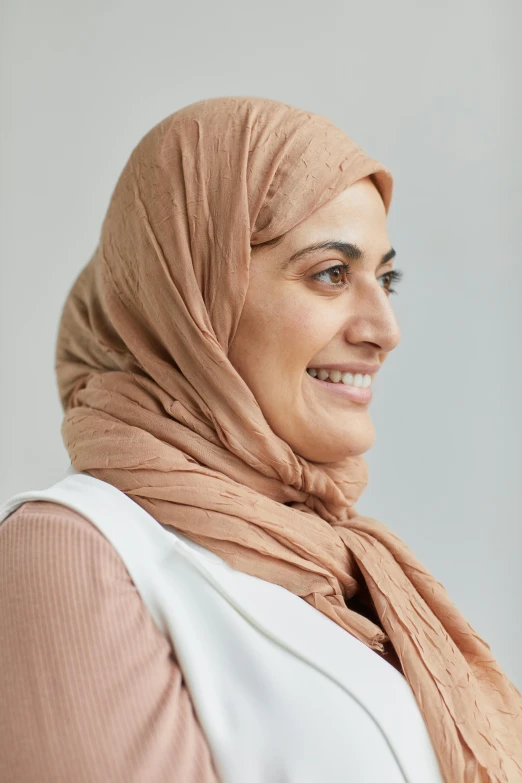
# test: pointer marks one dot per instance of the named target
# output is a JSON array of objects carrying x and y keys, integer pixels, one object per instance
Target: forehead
[
  {"x": 360, "y": 203},
  {"x": 353, "y": 223},
  {"x": 357, "y": 216}
]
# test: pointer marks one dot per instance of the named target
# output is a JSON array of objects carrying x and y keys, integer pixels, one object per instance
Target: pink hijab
[{"x": 153, "y": 406}]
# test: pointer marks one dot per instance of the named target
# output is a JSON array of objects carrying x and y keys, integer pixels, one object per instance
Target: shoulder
[
  {"x": 49, "y": 552},
  {"x": 82, "y": 660},
  {"x": 40, "y": 532},
  {"x": 32, "y": 518}
]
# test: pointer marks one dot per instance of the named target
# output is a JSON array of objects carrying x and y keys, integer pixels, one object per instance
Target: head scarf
[{"x": 153, "y": 406}]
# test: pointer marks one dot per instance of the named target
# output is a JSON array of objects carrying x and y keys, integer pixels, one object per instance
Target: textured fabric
[
  {"x": 153, "y": 406},
  {"x": 90, "y": 688}
]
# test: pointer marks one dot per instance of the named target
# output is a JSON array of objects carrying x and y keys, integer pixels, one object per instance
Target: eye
[
  {"x": 338, "y": 276},
  {"x": 391, "y": 277}
]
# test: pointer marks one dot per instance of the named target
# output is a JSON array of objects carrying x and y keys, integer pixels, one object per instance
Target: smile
[
  {"x": 355, "y": 390},
  {"x": 335, "y": 376}
]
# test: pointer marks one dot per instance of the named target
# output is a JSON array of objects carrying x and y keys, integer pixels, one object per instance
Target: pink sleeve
[{"x": 90, "y": 690}]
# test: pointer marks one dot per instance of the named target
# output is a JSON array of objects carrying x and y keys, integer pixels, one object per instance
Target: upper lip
[{"x": 353, "y": 367}]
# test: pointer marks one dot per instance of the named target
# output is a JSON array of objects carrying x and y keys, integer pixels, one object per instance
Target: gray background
[{"x": 430, "y": 89}]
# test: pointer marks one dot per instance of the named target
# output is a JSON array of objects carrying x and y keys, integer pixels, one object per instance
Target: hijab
[{"x": 153, "y": 406}]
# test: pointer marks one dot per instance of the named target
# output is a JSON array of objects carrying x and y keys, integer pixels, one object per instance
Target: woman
[{"x": 198, "y": 598}]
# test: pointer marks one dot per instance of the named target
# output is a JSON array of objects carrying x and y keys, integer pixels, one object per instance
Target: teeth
[{"x": 359, "y": 380}]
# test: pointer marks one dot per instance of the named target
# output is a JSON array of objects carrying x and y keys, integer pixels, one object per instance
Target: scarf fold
[{"x": 153, "y": 406}]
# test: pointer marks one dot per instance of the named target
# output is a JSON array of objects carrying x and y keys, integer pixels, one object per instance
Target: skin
[{"x": 292, "y": 321}]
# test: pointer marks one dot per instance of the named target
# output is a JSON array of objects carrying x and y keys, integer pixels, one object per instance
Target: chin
[{"x": 336, "y": 448}]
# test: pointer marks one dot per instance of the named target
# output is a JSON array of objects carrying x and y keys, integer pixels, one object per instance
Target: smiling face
[{"x": 320, "y": 309}]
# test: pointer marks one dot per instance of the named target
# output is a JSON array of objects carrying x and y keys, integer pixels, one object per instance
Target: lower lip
[{"x": 354, "y": 393}]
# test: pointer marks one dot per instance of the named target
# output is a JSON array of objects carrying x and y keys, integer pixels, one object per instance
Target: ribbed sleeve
[{"x": 90, "y": 690}]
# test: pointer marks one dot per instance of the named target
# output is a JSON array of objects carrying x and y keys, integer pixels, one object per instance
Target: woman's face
[{"x": 305, "y": 310}]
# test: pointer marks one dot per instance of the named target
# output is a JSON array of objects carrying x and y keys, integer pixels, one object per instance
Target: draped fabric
[{"x": 153, "y": 406}]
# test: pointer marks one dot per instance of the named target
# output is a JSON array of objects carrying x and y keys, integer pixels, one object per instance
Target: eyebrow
[{"x": 350, "y": 251}]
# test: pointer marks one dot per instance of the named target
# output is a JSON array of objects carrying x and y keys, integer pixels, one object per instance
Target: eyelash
[{"x": 394, "y": 275}]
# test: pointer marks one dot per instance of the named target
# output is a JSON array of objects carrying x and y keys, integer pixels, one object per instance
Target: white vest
[{"x": 283, "y": 694}]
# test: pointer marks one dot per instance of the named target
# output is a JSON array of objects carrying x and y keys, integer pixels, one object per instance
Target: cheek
[{"x": 292, "y": 332}]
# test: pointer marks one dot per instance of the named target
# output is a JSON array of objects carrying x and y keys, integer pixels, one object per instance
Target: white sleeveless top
[{"x": 282, "y": 693}]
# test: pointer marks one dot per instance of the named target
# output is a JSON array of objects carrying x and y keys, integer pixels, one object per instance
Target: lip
[{"x": 353, "y": 393}]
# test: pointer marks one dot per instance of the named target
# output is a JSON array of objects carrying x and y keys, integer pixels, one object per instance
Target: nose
[{"x": 371, "y": 318}]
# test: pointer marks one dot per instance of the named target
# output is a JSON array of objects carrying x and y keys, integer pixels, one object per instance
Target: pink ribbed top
[{"x": 90, "y": 687}]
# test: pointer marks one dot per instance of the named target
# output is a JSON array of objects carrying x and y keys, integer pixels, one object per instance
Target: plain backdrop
[{"x": 431, "y": 89}]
